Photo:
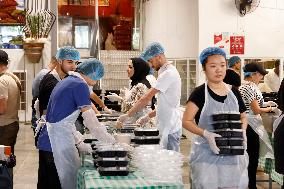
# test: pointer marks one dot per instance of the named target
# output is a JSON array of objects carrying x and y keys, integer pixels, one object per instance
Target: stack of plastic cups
[{"x": 158, "y": 164}]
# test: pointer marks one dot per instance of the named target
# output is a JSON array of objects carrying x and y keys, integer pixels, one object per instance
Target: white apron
[
  {"x": 168, "y": 117},
  {"x": 211, "y": 171},
  {"x": 255, "y": 122},
  {"x": 66, "y": 156},
  {"x": 168, "y": 121}
]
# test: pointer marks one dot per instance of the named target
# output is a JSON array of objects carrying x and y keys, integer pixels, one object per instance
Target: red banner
[{"x": 237, "y": 44}]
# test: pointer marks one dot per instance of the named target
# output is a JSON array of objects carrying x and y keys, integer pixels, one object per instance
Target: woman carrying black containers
[
  {"x": 252, "y": 96},
  {"x": 212, "y": 108}
]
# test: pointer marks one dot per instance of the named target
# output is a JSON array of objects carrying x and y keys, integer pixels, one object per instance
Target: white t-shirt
[
  {"x": 152, "y": 80},
  {"x": 168, "y": 102},
  {"x": 272, "y": 80}
]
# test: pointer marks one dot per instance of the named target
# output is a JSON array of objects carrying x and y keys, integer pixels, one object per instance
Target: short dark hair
[
  {"x": 4, "y": 58},
  {"x": 277, "y": 63}
]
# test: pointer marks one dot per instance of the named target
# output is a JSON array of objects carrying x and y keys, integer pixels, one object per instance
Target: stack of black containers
[
  {"x": 111, "y": 160},
  {"x": 229, "y": 126},
  {"x": 146, "y": 136}
]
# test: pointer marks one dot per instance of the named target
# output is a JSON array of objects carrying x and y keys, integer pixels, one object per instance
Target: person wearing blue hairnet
[
  {"x": 256, "y": 133},
  {"x": 70, "y": 97},
  {"x": 168, "y": 90},
  {"x": 233, "y": 72},
  {"x": 209, "y": 169},
  {"x": 98, "y": 74},
  {"x": 66, "y": 57}
]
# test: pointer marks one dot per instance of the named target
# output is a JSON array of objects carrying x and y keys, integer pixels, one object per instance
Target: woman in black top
[{"x": 209, "y": 169}]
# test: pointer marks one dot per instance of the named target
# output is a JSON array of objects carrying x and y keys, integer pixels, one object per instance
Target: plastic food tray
[
  {"x": 231, "y": 151},
  {"x": 226, "y": 116},
  {"x": 147, "y": 139},
  {"x": 111, "y": 152},
  {"x": 230, "y": 133},
  {"x": 113, "y": 171},
  {"x": 127, "y": 129},
  {"x": 146, "y": 132},
  {"x": 112, "y": 162},
  {"x": 109, "y": 118},
  {"x": 229, "y": 141},
  {"x": 227, "y": 125},
  {"x": 90, "y": 140}
]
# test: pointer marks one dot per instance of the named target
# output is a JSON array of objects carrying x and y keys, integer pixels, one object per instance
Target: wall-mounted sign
[
  {"x": 12, "y": 12},
  {"x": 222, "y": 40},
  {"x": 237, "y": 44}
]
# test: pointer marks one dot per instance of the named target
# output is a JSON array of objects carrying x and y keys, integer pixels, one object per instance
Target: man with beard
[
  {"x": 168, "y": 90},
  {"x": 67, "y": 58}
]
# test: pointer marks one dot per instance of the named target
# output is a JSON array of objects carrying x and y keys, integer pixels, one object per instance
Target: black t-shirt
[
  {"x": 198, "y": 98},
  {"x": 46, "y": 86},
  {"x": 232, "y": 78}
]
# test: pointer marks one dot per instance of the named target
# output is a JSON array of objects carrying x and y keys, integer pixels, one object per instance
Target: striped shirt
[{"x": 250, "y": 92}]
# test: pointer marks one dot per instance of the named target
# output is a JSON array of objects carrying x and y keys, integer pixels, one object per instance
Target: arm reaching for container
[
  {"x": 79, "y": 143},
  {"x": 95, "y": 127},
  {"x": 113, "y": 97}
]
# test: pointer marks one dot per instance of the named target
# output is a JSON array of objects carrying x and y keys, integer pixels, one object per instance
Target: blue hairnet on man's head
[
  {"x": 151, "y": 51},
  {"x": 67, "y": 53},
  {"x": 210, "y": 51},
  {"x": 233, "y": 60},
  {"x": 92, "y": 68}
]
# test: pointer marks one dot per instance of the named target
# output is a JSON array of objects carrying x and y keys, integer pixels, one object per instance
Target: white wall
[
  {"x": 186, "y": 27},
  {"x": 263, "y": 29},
  {"x": 173, "y": 24}
]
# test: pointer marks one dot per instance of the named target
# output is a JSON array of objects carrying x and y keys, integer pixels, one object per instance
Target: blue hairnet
[
  {"x": 233, "y": 60},
  {"x": 248, "y": 74},
  {"x": 92, "y": 68},
  {"x": 151, "y": 51},
  {"x": 211, "y": 51},
  {"x": 67, "y": 53}
]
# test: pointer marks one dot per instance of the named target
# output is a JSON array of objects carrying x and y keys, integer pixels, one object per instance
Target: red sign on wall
[{"x": 237, "y": 44}]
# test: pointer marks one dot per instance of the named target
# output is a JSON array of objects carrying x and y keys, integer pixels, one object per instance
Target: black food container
[
  {"x": 221, "y": 141},
  {"x": 147, "y": 139},
  {"x": 235, "y": 141},
  {"x": 90, "y": 140},
  {"x": 231, "y": 151},
  {"x": 128, "y": 128},
  {"x": 107, "y": 118},
  {"x": 113, "y": 171},
  {"x": 108, "y": 153},
  {"x": 112, "y": 162},
  {"x": 225, "y": 150},
  {"x": 227, "y": 125},
  {"x": 226, "y": 116},
  {"x": 229, "y": 133},
  {"x": 146, "y": 132},
  {"x": 237, "y": 150}
]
